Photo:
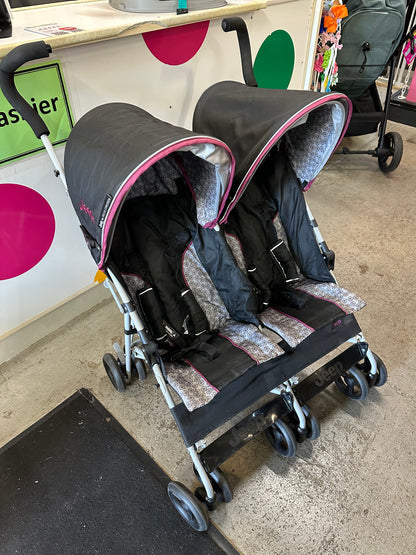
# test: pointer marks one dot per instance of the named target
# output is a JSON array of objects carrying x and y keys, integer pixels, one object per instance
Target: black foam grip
[
  {"x": 14, "y": 59},
  {"x": 238, "y": 24}
]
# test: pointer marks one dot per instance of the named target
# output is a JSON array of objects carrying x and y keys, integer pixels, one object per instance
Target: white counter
[{"x": 99, "y": 21}]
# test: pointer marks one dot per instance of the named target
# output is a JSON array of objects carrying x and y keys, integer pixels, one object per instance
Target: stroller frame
[
  {"x": 389, "y": 148},
  {"x": 290, "y": 397}
]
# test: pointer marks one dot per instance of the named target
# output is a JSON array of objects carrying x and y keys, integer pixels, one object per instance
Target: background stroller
[
  {"x": 151, "y": 199},
  {"x": 371, "y": 36}
]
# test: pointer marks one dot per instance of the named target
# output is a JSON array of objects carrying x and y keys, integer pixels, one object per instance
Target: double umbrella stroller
[{"x": 216, "y": 263}]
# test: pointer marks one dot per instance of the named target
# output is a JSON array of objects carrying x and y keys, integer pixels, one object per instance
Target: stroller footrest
[
  {"x": 231, "y": 441},
  {"x": 329, "y": 372},
  {"x": 236, "y": 437}
]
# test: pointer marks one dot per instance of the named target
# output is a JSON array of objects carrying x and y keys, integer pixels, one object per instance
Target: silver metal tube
[
  {"x": 109, "y": 285},
  {"x": 206, "y": 482},
  {"x": 127, "y": 345},
  {"x": 56, "y": 163},
  {"x": 125, "y": 299},
  {"x": 318, "y": 236},
  {"x": 297, "y": 408}
]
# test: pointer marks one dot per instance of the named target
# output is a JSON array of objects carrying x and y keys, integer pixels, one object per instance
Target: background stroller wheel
[
  {"x": 188, "y": 506},
  {"x": 313, "y": 429},
  {"x": 282, "y": 438},
  {"x": 381, "y": 376},
  {"x": 391, "y": 152},
  {"x": 353, "y": 384},
  {"x": 114, "y": 372}
]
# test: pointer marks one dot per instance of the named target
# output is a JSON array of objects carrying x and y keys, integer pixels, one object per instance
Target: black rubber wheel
[
  {"x": 391, "y": 152},
  {"x": 381, "y": 376},
  {"x": 114, "y": 372},
  {"x": 220, "y": 484},
  {"x": 353, "y": 384},
  {"x": 282, "y": 438},
  {"x": 140, "y": 369},
  {"x": 188, "y": 506},
  {"x": 313, "y": 429}
]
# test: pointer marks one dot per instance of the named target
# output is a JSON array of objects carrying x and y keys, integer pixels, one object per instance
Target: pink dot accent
[
  {"x": 27, "y": 229},
  {"x": 176, "y": 45}
]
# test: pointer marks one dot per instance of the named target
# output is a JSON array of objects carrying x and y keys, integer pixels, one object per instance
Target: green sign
[{"x": 43, "y": 87}]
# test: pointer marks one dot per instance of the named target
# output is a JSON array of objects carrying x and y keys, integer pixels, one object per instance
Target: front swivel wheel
[
  {"x": 114, "y": 372},
  {"x": 380, "y": 376},
  {"x": 282, "y": 438},
  {"x": 191, "y": 510},
  {"x": 353, "y": 384}
]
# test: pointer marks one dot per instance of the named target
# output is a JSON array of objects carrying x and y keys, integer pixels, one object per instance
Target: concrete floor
[{"x": 351, "y": 491}]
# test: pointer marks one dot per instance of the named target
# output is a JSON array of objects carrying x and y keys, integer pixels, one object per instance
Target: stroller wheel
[
  {"x": 282, "y": 438},
  {"x": 114, "y": 372},
  {"x": 353, "y": 384},
  {"x": 220, "y": 484},
  {"x": 140, "y": 369},
  {"x": 313, "y": 429},
  {"x": 381, "y": 376},
  {"x": 188, "y": 506},
  {"x": 391, "y": 152}
]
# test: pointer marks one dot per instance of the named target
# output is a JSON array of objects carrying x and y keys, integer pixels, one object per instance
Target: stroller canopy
[
  {"x": 118, "y": 151},
  {"x": 252, "y": 120}
]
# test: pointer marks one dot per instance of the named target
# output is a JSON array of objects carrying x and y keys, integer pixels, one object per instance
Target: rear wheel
[
  {"x": 188, "y": 506},
  {"x": 391, "y": 152},
  {"x": 114, "y": 372}
]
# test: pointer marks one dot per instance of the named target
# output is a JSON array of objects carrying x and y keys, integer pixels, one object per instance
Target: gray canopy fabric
[
  {"x": 108, "y": 153},
  {"x": 252, "y": 120}
]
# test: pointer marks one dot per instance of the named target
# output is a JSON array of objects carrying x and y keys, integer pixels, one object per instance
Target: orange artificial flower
[{"x": 330, "y": 22}]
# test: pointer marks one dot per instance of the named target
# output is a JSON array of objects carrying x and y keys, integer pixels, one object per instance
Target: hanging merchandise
[
  {"x": 325, "y": 68},
  {"x": 408, "y": 92}
]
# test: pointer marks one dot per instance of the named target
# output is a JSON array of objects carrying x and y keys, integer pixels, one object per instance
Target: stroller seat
[
  {"x": 157, "y": 247},
  {"x": 271, "y": 237}
]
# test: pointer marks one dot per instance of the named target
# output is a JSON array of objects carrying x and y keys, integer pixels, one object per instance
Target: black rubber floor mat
[{"x": 76, "y": 483}]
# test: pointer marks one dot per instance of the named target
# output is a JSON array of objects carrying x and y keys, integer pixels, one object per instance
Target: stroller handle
[
  {"x": 238, "y": 24},
  {"x": 10, "y": 63}
]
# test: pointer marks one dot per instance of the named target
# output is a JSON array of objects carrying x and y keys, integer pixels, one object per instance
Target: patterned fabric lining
[
  {"x": 159, "y": 179},
  {"x": 203, "y": 176},
  {"x": 191, "y": 387},
  {"x": 204, "y": 290},
  {"x": 323, "y": 128},
  {"x": 208, "y": 195},
  {"x": 134, "y": 283},
  {"x": 246, "y": 336},
  {"x": 347, "y": 301},
  {"x": 291, "y": 330},
  {"x": 237, "y": 251}
]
